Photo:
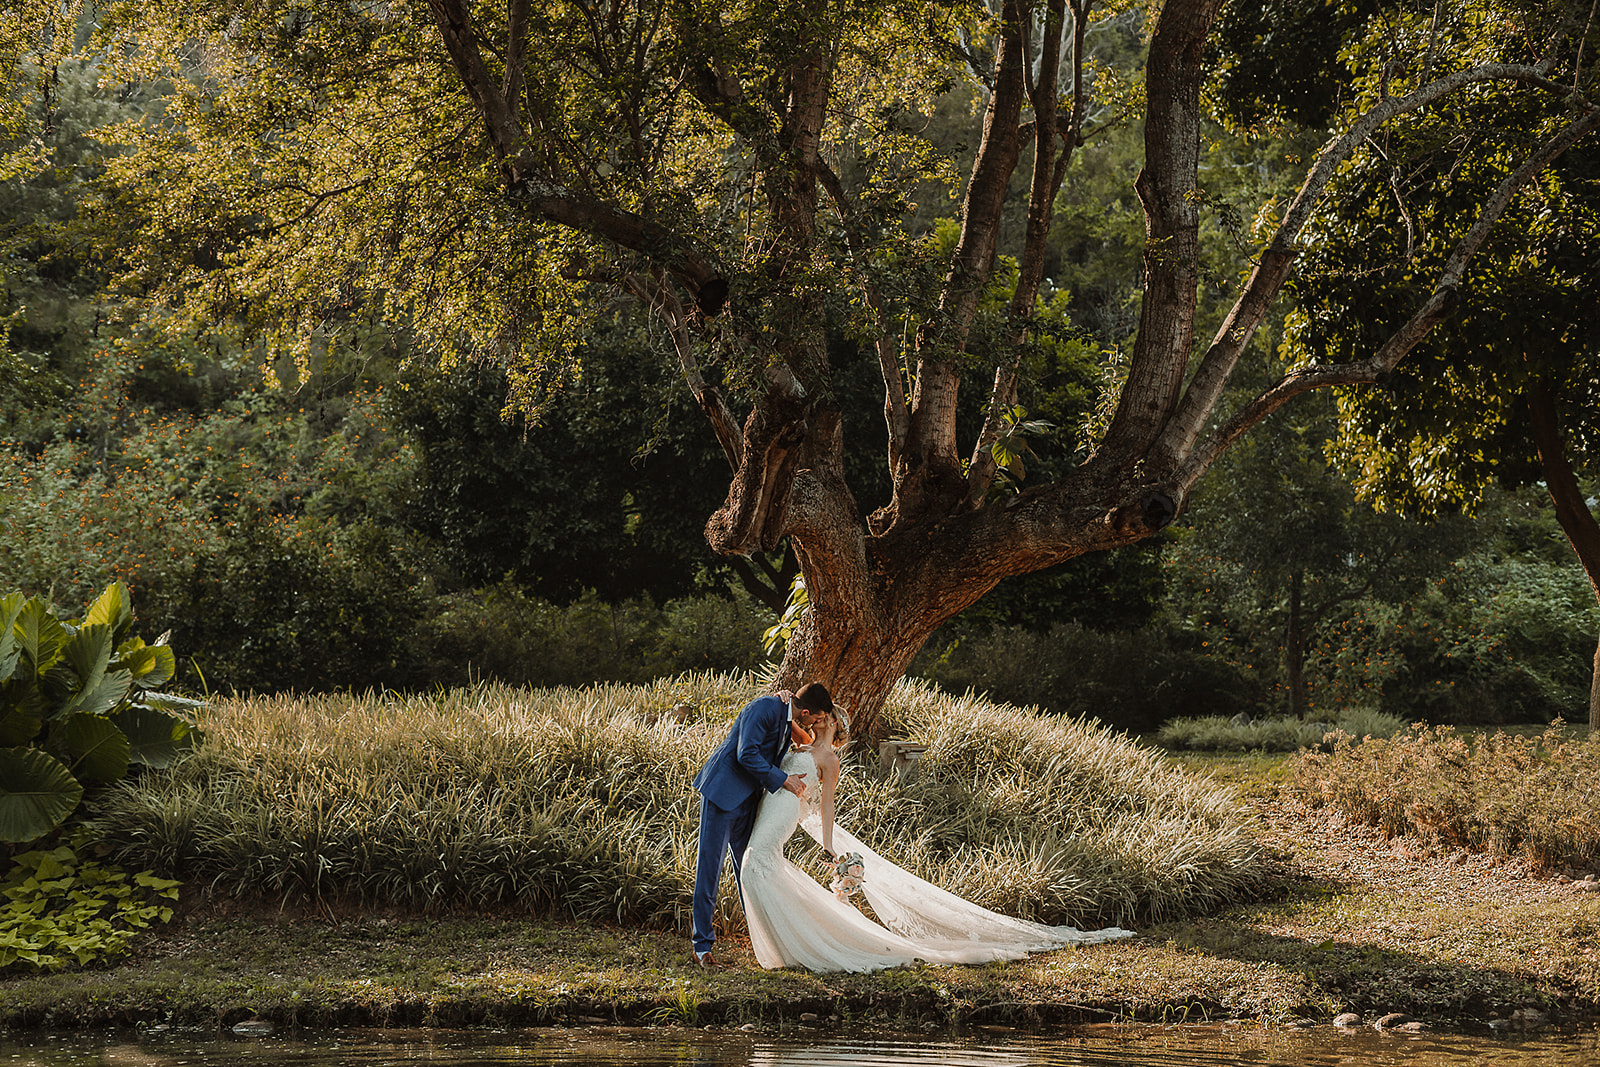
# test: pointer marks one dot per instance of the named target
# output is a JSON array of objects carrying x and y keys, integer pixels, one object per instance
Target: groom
[{"x": 731, "y": 784}]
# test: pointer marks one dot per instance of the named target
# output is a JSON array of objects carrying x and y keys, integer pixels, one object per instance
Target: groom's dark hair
[{"x": 814, "y": 696}]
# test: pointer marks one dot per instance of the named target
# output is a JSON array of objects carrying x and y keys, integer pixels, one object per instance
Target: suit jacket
[{"x": 749, "y": 756}]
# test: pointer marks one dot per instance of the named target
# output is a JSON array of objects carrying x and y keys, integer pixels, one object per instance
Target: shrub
[
  {"x": 59, "y": 909},
  {"x": 71, "y": 530},
  {"x": 502, "y": 634},
  {"x": 79, "y": 703},
  {"x": 709, "y": 633},
  {"x": 299, "y": 605}
]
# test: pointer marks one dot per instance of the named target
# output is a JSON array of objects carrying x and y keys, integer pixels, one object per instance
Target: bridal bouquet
[{"x": 849, "y": 871}]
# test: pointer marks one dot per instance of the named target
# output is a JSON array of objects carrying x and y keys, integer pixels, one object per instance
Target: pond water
[{"x": 1121, "y": 1045}]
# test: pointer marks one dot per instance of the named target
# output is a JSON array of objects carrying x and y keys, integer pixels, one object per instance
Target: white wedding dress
[{"x": 795, "y": 922}]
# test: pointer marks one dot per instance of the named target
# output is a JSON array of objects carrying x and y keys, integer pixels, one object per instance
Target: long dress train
[{"x": 795, "y": 922}]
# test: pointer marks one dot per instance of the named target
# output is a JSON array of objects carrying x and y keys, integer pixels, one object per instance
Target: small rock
[
  {"x": 808, "y": 1016},
  {"x": 1393, "y": 1019},
  {"x": 1586, "y": 886},
  {"x": 253, "y": 1027},
  {"x": 1529, "y": 1018},
  {"x": 1415, "y": 1026},
  {"x": 1346, "y": 1020},
  {"x": 1563, "y": 878},
  {"x": 748, "y": 1028},
  {"x": 590, "y": 1020},
  {"x": 1499, "y": 1024}
]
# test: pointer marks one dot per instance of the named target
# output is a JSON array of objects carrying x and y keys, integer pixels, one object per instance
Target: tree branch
[
  {"x": 1572, "y": 510},
  {"x": 1411, "y": 333},
  {"x": 550, "y": 200},
  {"x": 658, "y": 294},
  {"x": 1166, "y": 186},
  {"x": 516, "y": 54},
  {"x": 1049, "y": 171},
  {"x": 1272, "y": 270},
  {"x": 896, "y": 416}
]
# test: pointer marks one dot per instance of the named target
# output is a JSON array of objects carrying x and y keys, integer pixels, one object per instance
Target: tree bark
[{"x": 1572, "y": 509}]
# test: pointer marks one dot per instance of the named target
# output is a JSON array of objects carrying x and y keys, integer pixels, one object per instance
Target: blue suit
[{"x": 731, "y": 784}]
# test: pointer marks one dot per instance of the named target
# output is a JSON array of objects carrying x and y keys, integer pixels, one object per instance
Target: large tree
[
  {"x": 1507, "y": 390},
  {"x": 491, "y": 175}
]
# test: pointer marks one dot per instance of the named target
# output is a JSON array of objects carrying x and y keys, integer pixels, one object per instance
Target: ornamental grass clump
[
  {"x": 578, "y": 803},
  {"x": 1500, "y": 793},
  {"x": 1052, "y": 819}
]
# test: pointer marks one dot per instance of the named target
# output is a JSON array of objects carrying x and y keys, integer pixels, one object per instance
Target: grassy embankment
[{"x": 493, "y": 856}]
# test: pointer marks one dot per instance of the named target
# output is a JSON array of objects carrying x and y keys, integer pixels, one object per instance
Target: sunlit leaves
[
  {"x": 57, "y": 909},
  {"x": 1451, "y": 419}
]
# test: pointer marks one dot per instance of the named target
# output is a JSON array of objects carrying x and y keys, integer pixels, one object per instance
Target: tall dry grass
[
  {"x": 1496, "y": 792},
  {"x": 573, "y": 802}
]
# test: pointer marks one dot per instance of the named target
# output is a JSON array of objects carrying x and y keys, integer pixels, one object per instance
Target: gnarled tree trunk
[{"x": 880, "y": 585}]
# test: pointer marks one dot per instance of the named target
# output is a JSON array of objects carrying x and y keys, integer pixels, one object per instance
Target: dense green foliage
[
  {"x": 1454, "y": 420},
  {"x": 304, "y": 508}
]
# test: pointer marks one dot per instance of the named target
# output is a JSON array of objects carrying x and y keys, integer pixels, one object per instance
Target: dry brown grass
[{"x": 1503, "y": 793}]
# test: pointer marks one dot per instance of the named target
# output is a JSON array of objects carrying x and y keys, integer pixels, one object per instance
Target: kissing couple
[{"x": 779, "y": 768}]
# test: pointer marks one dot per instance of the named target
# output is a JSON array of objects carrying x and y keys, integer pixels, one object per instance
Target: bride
[{"x": 795, "y": 922}]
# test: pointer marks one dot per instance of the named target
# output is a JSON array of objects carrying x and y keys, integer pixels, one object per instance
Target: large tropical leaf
[
  {"x": 112, "y": 609},
  {"x": 10, "y": 647},
  {"x": 21, "y": 712},
  {"x": 41, "y": 637},
  {"x": 37, "y": 794},
  {"x": 155, "y": 738},
  {"x": 185, "y": 707},
  {"x": 150, "y": 665},
  {"x": 89, "y": 654},
  {"x": 111, "y": 692},
  {"x": 99, "y": 750}
]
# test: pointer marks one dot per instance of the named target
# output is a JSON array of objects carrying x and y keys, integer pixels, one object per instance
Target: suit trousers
[{"x": 720, "y": 832}]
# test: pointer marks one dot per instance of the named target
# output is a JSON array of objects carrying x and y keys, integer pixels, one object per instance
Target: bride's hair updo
[{"x": 841, "y": 735}]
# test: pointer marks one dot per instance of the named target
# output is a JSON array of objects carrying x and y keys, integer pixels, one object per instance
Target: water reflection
[{"x": 1122, "y": 1046}]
